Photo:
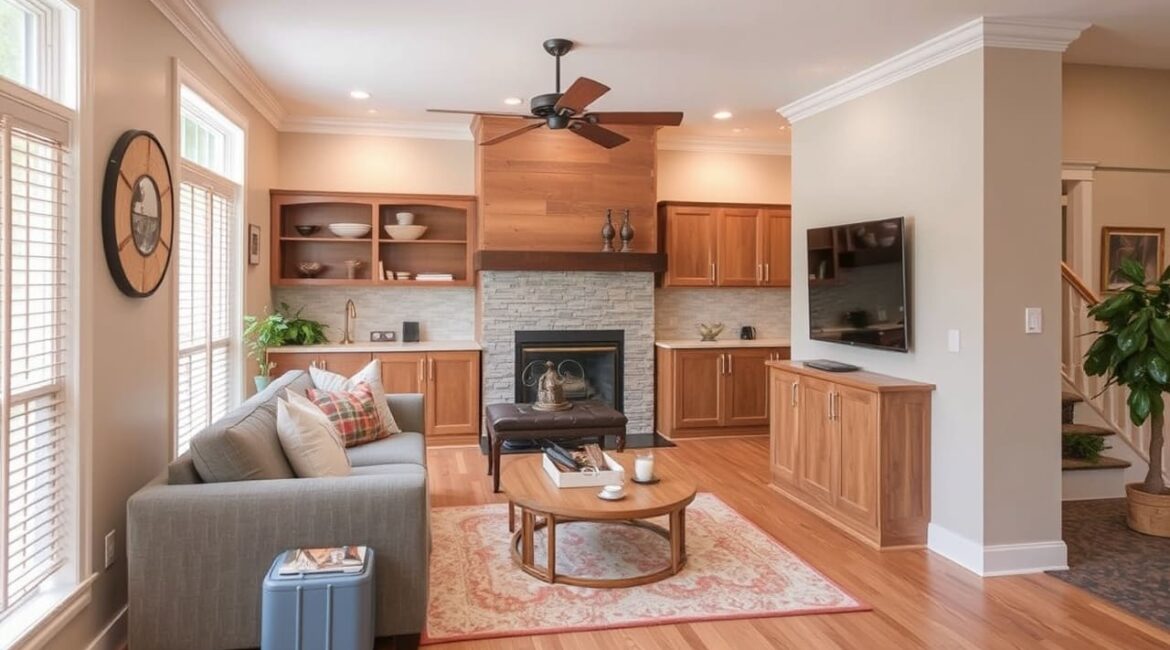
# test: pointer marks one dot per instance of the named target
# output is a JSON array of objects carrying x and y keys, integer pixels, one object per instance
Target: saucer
[
  {"x": 601, "y": 495},
  {"x": 652, "y": 481}
]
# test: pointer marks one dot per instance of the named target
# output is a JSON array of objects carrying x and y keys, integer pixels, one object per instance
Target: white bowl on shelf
[
  {"x": 405, "y": 232},
  {"x": 350, "y": 230}
]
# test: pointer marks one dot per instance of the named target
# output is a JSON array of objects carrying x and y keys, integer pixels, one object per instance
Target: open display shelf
[{"x": 445, "y": 247}]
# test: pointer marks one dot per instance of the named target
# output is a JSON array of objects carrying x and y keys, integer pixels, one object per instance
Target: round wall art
[{"x": 138, "y": 214}]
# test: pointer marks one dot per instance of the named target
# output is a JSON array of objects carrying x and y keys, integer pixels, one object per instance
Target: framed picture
[
  {"x": 1141, "y": 244},
  {"x": 253, "y": 244}
]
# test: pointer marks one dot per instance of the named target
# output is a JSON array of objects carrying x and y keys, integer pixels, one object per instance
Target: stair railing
[{"x": 1077, "y": 328}]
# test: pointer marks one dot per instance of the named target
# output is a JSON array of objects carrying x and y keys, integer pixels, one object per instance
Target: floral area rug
[{"x": 733, "y": 570}]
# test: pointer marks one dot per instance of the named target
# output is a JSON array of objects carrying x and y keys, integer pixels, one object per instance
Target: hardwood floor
[{"x": 919, "y": 599}]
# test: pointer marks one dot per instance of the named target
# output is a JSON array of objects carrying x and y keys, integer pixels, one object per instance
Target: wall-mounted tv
[{"x": 857, "y": 284}]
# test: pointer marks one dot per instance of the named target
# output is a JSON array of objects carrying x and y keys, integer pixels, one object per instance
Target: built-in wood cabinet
[
  {"x": 726, "y": 245},
  {"x": 713, "y": 391},
  {"x": 855, "y": 448},
  {"x": 448, "y": 380},
  {"x": 447, "y": 245}
]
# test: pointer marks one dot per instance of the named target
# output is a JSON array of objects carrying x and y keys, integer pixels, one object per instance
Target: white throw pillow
[
  {"x": 371, "y": 375},
  {"x": 310, "y": 441}
]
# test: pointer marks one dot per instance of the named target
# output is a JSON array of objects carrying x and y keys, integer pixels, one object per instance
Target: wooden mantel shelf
[{"x": 495, "y": 260}]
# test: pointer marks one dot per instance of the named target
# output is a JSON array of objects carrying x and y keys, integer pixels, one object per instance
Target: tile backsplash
[
  {"x": 443, "y": 313},
  {"x": 678, "y": 311}
]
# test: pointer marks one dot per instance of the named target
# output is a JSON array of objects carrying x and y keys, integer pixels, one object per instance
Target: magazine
[{"x": 337, "y": 559}]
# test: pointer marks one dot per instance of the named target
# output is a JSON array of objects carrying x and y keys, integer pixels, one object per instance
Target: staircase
[{"x": 1103, "y": 411}]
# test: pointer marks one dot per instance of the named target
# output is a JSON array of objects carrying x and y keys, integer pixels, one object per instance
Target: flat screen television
[{"x": 857, "y": 284}]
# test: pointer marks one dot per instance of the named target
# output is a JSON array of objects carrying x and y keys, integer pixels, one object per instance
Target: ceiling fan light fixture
[
  {"x": 359, "y": 94},
  {"x": 722, "y": 115}
]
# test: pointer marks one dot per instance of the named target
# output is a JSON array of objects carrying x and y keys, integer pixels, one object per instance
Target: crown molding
[
  {"x": 359, "y": 126},
  {"x": 716, "y": 144},
  {"x": 1015, "y": 33},
  {"x": 210, "y": 41}
]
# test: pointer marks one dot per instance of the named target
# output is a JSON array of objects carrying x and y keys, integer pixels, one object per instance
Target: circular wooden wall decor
[{"x": 138, "y": 213}]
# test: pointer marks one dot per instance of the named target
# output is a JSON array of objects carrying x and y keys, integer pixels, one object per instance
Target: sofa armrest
[
  {"x": 198, "y": 554},
  {"x": 408, "y": 410}
]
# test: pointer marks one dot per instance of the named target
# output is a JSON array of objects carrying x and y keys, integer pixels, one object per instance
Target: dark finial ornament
[
  {"x": 608, "y": 232},
  {"x": 138, "y": 214},
  {"x": 627, "y": 232}
]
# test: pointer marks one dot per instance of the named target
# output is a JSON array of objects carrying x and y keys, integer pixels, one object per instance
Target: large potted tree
[{"x": 1132, "y": 349}]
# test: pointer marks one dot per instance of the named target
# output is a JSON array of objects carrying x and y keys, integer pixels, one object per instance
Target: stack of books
[
  {"x": 311, "y": 561},
  {"x": 434, "y": 277}
]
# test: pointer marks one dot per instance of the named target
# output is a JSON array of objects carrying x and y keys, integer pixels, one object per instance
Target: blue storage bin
[{"x": 330, "y": 611}]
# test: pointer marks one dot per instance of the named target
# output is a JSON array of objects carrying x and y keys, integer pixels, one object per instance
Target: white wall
[
  {"x": 365, "y": 163},
  {"x": 952, "y": 148},
  {"x": 718, "y": 177}
]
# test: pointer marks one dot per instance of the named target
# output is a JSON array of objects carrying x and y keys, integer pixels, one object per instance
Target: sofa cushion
[
  {"x": 401, "y": 469},
  {"x": 182, "y": 471},
  {"x": 310, "y": 441},
  {"x": 406, "y": 447},
  {"x": 243, "y": 445},
  {"x": 371, "y": 375},
  {"x": 353, "y": 412}
]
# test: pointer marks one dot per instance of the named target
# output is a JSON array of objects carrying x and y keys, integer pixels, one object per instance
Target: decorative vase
[
  {"x": 261, "y": 382},
  {"x": 627, "y": 231},
  {"x": 351, "y": 268},
  {"x": 607, "y": 233}
]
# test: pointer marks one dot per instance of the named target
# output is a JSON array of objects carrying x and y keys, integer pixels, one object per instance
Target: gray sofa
[{"x": 198, "y": 550}]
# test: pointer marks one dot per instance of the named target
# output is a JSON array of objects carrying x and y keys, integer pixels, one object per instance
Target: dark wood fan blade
[
  {"x": 659, "y": 118},
  {"x": 600, "y": 135},
  {"x": 484, "y": 113},
  {"x": 513, "y": 133},
  {"x": 582, "y": 93}
]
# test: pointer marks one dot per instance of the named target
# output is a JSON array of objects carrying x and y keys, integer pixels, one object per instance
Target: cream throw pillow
[
  {"x": 309, "y": 439},
  {"x": 372, "y": 376}
]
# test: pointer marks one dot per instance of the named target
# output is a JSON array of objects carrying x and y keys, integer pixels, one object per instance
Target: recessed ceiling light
[
  {"x": 722, "y": 115},
  {"x": 738, "y": 130},
  {"x": 359, "y": 94},
  {"x": 372, "y": 111},
  {"x": 783, "y": 127},
  {"x": 513, "y": 101}
]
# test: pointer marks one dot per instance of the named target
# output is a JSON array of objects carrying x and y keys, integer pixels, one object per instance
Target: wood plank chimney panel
[{"x": 548, "y": 190}]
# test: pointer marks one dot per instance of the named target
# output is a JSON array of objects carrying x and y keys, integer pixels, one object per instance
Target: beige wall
[
  {"x": 968, "y": 151},
  {"x": 723, "y": 177},
  {"x": 1117, "y": 117},
  {"x": 895, "y": 151},
  {"x": 132, "y": 339},
  {"x": 363, "y": 163}
]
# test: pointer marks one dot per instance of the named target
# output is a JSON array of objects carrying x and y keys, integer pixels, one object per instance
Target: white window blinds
[
  {"x": 34, "y": 300},
  {"x": 206, "y": 222}
]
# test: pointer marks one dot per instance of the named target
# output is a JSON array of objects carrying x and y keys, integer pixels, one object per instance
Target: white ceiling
[{"x": 745, "y": 56}]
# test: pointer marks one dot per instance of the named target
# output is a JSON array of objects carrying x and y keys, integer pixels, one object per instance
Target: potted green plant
[
  {"x": 274, "y": 330},
  {"x": 1133, "y": 350}
]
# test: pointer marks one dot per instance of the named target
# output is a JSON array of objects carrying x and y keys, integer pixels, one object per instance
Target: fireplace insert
[{"x": 590, "y": 361}]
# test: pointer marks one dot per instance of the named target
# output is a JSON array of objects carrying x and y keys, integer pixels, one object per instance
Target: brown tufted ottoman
[{"x": 521, "y": 422}]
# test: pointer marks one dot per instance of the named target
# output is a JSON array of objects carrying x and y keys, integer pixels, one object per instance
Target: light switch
[
  {"x": 953, "y": 341},
  {"x": 1033, "y": 320}
]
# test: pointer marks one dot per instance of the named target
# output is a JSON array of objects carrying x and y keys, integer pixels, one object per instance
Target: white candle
[{"x": 644, "y": 467}]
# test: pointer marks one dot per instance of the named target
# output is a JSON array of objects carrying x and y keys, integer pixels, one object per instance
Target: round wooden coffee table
[{"x": 543, "y": 505}]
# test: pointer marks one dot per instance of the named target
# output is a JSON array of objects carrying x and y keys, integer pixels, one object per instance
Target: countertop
[
  {"x": 695, "y": 344},
  {"x": 397, "y": 346}
]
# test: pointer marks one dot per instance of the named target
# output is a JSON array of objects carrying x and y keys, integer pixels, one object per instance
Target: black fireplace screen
[{"x": 590, "y": 360}]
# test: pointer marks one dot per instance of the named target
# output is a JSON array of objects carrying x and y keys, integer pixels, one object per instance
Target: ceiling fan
[{"x": 567, "y": 110}]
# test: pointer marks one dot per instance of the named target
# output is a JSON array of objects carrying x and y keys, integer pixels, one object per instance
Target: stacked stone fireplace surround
[{"x": 511, "y": 301}]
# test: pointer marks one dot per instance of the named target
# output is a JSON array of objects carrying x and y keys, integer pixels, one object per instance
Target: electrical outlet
[
  {"x": 111, "y": 547},
  {"x": 383, "y": 336}
]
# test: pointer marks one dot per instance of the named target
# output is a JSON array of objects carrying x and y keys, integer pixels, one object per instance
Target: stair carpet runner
[{"x": 1068, "y": 403}]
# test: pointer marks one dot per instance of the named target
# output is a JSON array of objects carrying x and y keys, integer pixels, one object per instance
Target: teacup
[{"x": 613, "y": 491}]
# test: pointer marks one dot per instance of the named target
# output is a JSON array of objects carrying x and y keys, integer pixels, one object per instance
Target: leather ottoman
[{"x": 586, "y": 419}]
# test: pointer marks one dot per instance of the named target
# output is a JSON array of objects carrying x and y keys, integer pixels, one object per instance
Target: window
[
  {"x": 38, "y": 47},
  {"x": 209, "y": 285},
  {"x": 40, "y": 532}
]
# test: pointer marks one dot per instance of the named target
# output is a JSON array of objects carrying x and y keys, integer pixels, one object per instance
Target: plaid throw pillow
[{"x": 354, "y": 413}]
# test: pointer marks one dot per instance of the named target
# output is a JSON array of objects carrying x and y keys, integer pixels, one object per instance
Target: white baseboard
[
  {"x": 1032, "y": 557},
  {"x": 955, "y": 547},
  {"x": 113, "y": 636},
  {"x": 998, "y": 560}
]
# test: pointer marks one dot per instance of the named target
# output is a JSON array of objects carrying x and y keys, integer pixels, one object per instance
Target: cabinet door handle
[
  {"x": 794, "y": 387},
  {"x": 313, "y": 363},
  {"x": 421, "y": 373},
  {"x": 712, "y": 272},
  {"x": 322, "y": 364},
  {"x": 767, "y": 272},
  {"x": 721, "y": 364},
  {"x": 729, "y": 359},
  {"x": 431, "y": 369}
]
